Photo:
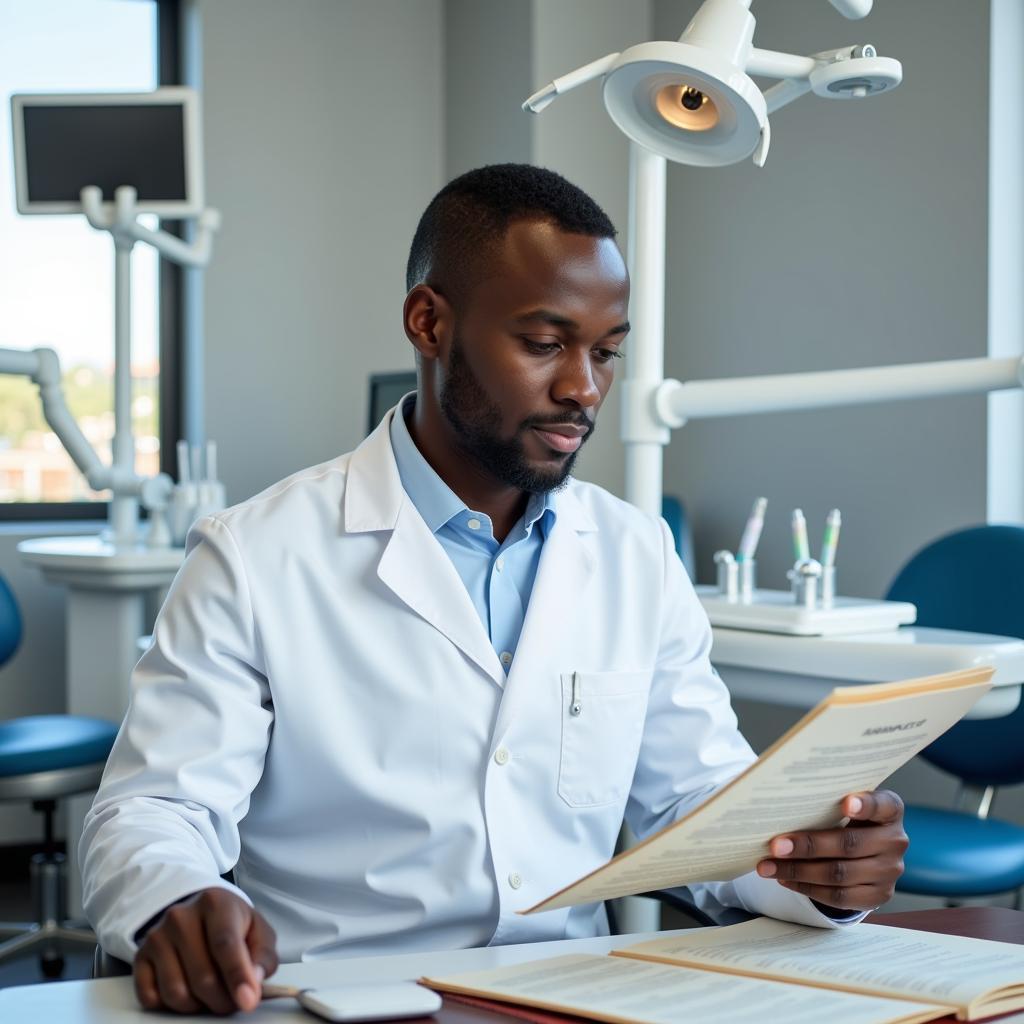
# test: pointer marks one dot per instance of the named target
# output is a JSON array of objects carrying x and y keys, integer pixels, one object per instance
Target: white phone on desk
[{"x": 363, "y": 1002}]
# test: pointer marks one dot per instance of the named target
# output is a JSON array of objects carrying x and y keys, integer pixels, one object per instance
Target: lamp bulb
[
  {"x": 692, "y": 99},
  {"x": 686, "y": 107}
]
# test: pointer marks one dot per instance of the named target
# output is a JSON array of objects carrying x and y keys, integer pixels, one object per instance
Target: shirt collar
[{"x": 435, "y": 501}]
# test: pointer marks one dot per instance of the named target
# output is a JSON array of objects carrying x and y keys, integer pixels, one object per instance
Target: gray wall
[
  {"x": 862, "y": 242},
  {"x": 487, "y": 66},
  {"x": 324, "y": 134}
]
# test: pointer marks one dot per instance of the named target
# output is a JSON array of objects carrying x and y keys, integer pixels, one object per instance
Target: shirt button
[
  {"x": 501, "y": 755},
  {"x": 499, "y": 564},
  {"x": 505, "y": 658},
  {"x": 515, "y": 880},
  {"x": 473, "y": 524}
]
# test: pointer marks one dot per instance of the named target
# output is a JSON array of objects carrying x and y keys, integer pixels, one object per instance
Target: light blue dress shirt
[{"x": 498, "y": 577}]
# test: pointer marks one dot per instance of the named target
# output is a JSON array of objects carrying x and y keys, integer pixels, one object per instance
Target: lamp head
[{"x": 688, "y": 103}]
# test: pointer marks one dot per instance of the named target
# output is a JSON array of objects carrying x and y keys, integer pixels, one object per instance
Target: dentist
[{"x": 404, "y": 694}]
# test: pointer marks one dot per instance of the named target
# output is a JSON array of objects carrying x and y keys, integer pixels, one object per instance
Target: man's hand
[
  {"x": 852, "y": 868},
  {"x": 211, "y": 951}
]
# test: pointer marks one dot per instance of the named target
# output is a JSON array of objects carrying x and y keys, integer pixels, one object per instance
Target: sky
[{"x": 56, "y": 272}]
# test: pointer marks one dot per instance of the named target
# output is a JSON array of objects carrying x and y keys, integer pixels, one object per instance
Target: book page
[
  {"x": 928, "y": 966},
  {"x": 845, "y": 745},
  {"x": 617, "y": 989}
]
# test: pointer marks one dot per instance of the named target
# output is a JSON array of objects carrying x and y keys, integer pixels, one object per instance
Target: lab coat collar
[{"x": 416, "y": 568}]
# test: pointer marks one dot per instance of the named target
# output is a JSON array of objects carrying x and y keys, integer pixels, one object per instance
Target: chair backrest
[
  {"x": 973, "y": 580},
  {"x": 10, "y": 622},
  {"x": 674, "y": 513}
]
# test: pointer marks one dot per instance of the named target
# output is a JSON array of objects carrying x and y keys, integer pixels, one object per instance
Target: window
[{"x": 56, "y": 272}]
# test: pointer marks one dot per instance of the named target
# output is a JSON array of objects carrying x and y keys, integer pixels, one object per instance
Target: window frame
[{"x": 170, "y": 289}]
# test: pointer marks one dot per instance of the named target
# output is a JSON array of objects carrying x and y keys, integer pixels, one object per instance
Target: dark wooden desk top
[{"x": 997, "y": 923}]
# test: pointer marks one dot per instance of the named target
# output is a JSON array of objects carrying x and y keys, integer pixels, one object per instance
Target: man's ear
[{"x": 428, "y": 320}]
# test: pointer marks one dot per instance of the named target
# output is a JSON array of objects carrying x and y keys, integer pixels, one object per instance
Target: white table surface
[{"x": 112, "y": 1000}]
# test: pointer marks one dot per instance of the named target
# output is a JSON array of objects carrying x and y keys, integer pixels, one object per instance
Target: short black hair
[{"x": 470, "y": 215}]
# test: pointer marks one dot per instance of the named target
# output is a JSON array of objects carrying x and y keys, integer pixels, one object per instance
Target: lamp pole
[{"x": 643, "y": 435}]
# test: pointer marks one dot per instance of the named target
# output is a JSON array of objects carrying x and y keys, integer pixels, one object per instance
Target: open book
[
  {"x": 768, "y": 970},
  {"x": 851, "y": 742}
]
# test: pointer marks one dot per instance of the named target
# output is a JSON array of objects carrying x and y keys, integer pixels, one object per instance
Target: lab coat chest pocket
[{"x": 602, "y": 725}]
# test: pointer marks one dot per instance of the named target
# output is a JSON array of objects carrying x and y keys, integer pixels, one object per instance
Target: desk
[
  {"x": 798, "y": 671},
  {"x": 111, "y": 1000}
]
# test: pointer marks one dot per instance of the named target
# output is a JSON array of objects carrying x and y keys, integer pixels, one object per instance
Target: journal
[{"x": 852, "y": 741}]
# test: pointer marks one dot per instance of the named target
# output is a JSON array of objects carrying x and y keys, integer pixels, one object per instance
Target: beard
[{"x": 476, "y": 421}]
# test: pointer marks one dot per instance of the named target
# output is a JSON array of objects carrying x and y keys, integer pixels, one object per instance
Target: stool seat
[
  {"x": 955, "y": 854},
  {"x": 44, "y": 743}
]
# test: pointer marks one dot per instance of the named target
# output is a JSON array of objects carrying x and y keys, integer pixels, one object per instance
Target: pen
[
  {"x": 801, "y": 549},
  {"x": 831, "y": 541},
  {"x": 752, "y": 531},
  {"x": 576, "y": 706}
]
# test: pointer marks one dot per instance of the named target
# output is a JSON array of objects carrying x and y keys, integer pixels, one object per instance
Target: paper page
[
  {"x": 797, "y": 784},
  {"x": 616, "y": 989},
  {"x": 948, "y": 969}
]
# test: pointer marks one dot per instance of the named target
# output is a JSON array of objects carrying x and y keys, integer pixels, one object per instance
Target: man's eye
[
  {"x": 540, "y": 347},
  {"x": 606, "y": 355}
]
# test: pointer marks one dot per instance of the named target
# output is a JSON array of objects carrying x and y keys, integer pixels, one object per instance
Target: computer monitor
[
  {"x": 385, "y": 391},
  {"x": 149, "y": 140}
]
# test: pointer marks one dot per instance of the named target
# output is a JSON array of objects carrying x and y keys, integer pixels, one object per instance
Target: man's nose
[{"x": 575, "y": 381}]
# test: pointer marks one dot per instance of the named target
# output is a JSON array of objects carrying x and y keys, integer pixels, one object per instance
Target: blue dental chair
[
  {"x": 44, "y": 758},
  {"x": 970, "y": 580}
]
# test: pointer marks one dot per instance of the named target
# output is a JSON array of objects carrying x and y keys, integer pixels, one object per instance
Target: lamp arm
[
  {"x": 783, "y": 93},
  {"x": 121, "y": 221},
  {"x": 565, "y": 83},
  {"x": 675, "y": 402},
  {"x": 773, "y": 64},
  {"x": 42, "y": 365}
]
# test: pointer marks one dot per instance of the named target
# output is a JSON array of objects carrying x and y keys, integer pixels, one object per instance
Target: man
[{"x": 410, "y": 692}]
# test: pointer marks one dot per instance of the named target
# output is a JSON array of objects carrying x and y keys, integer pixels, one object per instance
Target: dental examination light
[{"x": 694, "y": 101}]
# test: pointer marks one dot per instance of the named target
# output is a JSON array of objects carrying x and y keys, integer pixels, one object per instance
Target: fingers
[
  {"x": 883, "y": 807},
  {"x": 262, "y": 943},
  {"x": 144, "y": 977},
  {"x": 163, "y": 970},
  {"x": 210, "y": 951},
  {"x": 836, "y": 873},
  {"x": 878, "y": 829},
  {"x": 226, "y": 924},
  {"x": 204, "y": 980}
]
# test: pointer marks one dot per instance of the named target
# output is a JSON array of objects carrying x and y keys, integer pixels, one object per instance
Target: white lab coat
[{"x": 323, "y": 712}]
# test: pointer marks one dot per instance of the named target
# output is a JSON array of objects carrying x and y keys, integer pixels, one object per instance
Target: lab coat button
[
  {"x": 501, "y": 756},
  {"x": 499, "y": 564},
  {"x": 473, "y": 524},
  {"x": 515, "y": 880}
]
